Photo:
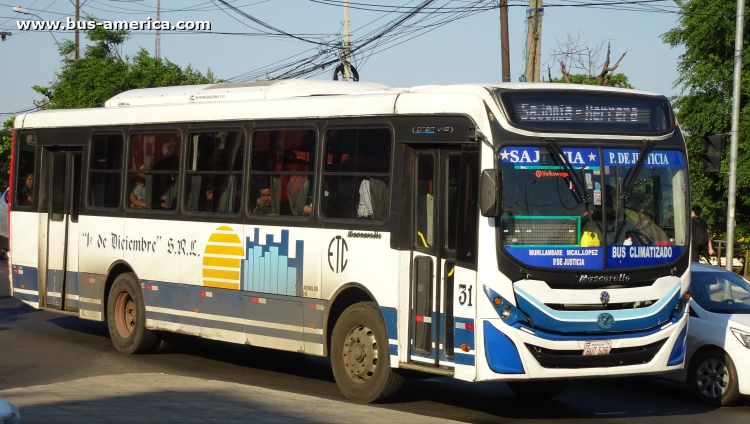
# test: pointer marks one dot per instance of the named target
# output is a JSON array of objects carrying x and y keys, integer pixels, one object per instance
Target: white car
[{"x": 717, "y": 362}]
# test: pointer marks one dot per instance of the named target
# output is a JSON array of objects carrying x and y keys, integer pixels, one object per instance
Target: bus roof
[{"x": 285, "y": 99}]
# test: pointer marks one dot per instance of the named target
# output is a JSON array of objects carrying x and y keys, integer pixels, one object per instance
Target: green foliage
[
  {"x": 616, "y": 80},
  {"x": 102, "y": 73},
  {"x": 5, "y": 144},
  {"x": 707, "y": 32}
]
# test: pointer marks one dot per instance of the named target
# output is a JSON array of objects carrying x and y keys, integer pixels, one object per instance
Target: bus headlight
[
  {"x": 742, "y": 336},
  {"x": 678, "y": 307},
  {"x": 505, "y": 312}
]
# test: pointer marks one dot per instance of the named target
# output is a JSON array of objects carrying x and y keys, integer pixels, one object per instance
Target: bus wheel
[
  {"x": 713, "y": 378},
  {"x": 126, "y": 316},
  {"x": 543, "y": 389},
  {"x": 360, "y": 356}
]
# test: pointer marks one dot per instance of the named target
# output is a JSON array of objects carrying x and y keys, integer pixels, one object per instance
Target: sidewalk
[{"x": 161, "y": 398}]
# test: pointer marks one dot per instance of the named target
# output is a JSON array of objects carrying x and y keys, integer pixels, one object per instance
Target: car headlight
[{"x": 742, "y": 336}]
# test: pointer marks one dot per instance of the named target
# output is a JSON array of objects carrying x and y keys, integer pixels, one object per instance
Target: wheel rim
[
  {"x": 712, "y": 378},
  {"x": 360, "y": 353},
  {"x": 125, "y": 314}
]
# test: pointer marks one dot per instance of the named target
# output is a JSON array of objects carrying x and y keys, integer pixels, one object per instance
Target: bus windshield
[{"x": 591, "y": 211}]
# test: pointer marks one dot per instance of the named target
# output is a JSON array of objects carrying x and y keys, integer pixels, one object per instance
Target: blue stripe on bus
[
  {"x": 588, "y": 336},
  {"x": 462, "y": 335},
  {"x": 393, "y": 349},
  {"x": 260, "y": 307},
  {"x": 464, "y": 359},
  {"x": 390, "y": 315},
  {"x": 584, "y": 322},
  {"x": 26, "y": 297},
  {"x": 25, "y": 276}
]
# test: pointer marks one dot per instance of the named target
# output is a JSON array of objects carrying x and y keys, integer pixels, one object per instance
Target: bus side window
[
  {"x": 105, "y": 171},
  {"x": 355, "y": 180},
  {"x": 214, "y": 173},
  {"x": 24, "y": 187},
  {"x": 281, "y": 167},
  {"x": 468, "y": 209},
  {"x": 154, "y": 166}
]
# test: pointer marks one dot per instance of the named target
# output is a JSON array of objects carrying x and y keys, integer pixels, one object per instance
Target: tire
[
  {"x": 713, "y": 378},
  {"x": 126, "y": 316},
  {"x": 545, "y": 389},
  {"x": 360, "y": 355}
]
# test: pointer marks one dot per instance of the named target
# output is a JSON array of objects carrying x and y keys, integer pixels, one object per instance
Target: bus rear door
[{"x": 63, "y": 196}]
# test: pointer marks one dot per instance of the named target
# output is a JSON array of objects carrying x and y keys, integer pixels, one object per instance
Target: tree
[
  {"x": 576, "y": 54},
  {"x": 102, "y": 72},
  {"x": 706, "y": 30}
]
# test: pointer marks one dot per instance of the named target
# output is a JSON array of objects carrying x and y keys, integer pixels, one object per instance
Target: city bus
[{"x": 526, "y": 233}]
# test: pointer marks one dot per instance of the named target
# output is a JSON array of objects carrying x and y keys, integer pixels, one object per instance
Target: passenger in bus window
[
  {"x": 27, "y": 192},
  {"x": 207, "y": 199},
  {"x": 139, "y": 193},
  {"x": 264, "y": 208}
]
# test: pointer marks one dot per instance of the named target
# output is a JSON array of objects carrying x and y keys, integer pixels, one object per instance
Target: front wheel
[
  {"x": 713, "y": 378},
  {"x": 545, "y": 389},
  {"x": 126, "y": 316},
  {"x": 360, "y": 356}
]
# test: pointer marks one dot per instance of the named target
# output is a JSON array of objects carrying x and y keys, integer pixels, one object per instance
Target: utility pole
[
  {"x": 735, "y": 132},
  {"x": 504, "y": 42},
  {"x": 534, "y": 41},
  {"x": 78, "y": 15},
  {"x": 157, "y": 46},
  {"x": 347, "y": 46}
]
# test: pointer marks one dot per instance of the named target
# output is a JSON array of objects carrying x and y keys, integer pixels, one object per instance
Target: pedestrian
[
  {"x": 9, "y": 413},
  {"x": 701, "y": 237}
]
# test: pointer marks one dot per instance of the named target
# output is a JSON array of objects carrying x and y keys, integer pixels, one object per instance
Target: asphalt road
[{"x": 38, "y": 347}]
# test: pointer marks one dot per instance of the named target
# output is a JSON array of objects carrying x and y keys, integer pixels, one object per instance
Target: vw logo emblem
[
  {"x": 604, "y": 298},
  {"x": 605, "y": 321}
]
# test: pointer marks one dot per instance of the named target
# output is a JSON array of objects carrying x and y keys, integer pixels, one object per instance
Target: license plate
[{"x": 599, "y": 347}]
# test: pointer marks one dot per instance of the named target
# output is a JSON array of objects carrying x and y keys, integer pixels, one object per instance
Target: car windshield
[
  {"x": 721, "y": 292},
  {"x": 597, "y": 209}
]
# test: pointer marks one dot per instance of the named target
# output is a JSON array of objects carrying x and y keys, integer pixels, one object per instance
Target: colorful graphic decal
[
  {"x": 273, "y": 267},
  {"x": 221, "y": 260}
]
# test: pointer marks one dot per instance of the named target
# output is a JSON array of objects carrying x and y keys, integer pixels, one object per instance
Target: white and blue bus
[{"x": 528, "y": 233}]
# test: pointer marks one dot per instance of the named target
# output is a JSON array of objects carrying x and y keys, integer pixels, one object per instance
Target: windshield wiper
[
  {"x": 628, "y": 183},
  {"x": 561, "y": 160},
  {"x": 632, "y": 175}
]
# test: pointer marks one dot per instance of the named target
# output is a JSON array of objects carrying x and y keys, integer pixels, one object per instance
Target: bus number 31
[{"x": 463, "y": 297}]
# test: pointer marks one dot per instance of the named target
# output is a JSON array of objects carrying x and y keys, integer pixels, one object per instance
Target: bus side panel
[
  {"x": 96, "y": 255},
  {"x": 365, "y": 257},
  {"x": 25, "y": 256}
]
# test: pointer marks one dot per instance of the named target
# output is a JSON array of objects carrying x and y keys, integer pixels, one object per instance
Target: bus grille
[{"x": 549, "y": 358}]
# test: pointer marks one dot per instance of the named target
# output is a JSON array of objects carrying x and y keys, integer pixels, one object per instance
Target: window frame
[
  {"x": 16, "y": 189},
  {"x": 179, "y": 171},
  {"x": 250, "y": 173},
  {"x": 185, "y": 172},
  {"x": 87, "y": 168},
  {"x": 323, "y": 145}
]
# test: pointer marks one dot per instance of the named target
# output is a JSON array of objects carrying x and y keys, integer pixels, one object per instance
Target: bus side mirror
[{"x": 489, "y": 192}]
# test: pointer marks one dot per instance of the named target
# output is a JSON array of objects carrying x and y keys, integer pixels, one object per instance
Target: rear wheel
[
  {"x": 713, "y": 378},
  {"x": 126, "y": 316},
  {"x": 360, "y": 356},
  {"x": 544, "y": 389}
]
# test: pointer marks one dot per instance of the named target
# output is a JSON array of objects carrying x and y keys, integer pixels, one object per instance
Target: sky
[{"x": 239, "y": 47}]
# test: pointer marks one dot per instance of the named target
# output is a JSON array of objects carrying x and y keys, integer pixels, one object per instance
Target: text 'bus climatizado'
[{"x": 516, "y": 232}]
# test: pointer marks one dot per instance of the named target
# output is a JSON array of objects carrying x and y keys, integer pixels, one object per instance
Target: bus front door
[
  {"x": 63, "y": 195},
  {"x": 435, "y": 185}
]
